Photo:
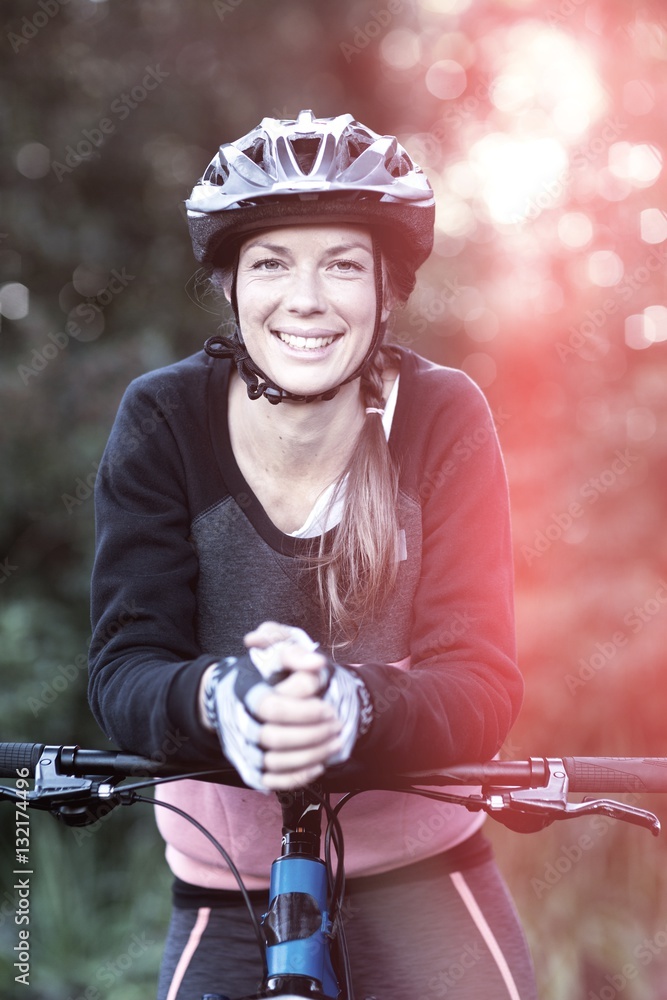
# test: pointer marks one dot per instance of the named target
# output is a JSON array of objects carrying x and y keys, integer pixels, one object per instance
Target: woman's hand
[
  {"x": 299, "y": 731},
  {"x": 269, "y": 712}
]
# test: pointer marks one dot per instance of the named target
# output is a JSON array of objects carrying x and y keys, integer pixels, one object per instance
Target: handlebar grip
[
  {"x": 15, "y": 755},
  {"x": 616, "y": 774}
]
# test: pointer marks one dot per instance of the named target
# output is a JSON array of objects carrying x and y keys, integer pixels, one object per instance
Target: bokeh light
[
  {"x": 642, "y": 330},
  {"x": 445, "y": 6},
  {"x": 401, "y": 48},
  {"x": 14, "y": 300},
  {"x": 33, "y": 160},
  {"x": 531, "y": 74},
  {"x": 653, "y": 223},
  {"x": 605, "y": 268},
  {"x": 519, "y": 178},
  {"x": 657, "y": 316},
  {"x": 641, "y": 164},
  {"x": 575, "y": 230},
  {"x": 528, "y": 164},
  {"x": 641, "y": 423},
  {"x": 481, "y": 367},
  {"x": 446, "y": 79}
]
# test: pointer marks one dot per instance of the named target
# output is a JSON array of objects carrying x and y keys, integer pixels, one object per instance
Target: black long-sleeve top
[{"x": 188, "y": 561}]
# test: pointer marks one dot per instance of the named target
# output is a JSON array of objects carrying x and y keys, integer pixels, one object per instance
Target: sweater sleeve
[
  {"x": 463, "y": 691},
  {"x": 145, "y": 664}
]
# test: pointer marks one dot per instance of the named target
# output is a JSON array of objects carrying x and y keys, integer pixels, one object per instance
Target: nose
[{"x": 304, "y": 295}]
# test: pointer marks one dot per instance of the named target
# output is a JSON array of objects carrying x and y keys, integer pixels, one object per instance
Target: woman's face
[{"x": 306, "y": 302}]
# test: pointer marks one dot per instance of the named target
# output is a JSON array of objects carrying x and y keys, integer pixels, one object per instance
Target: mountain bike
[{"x": 301, "y": 936}]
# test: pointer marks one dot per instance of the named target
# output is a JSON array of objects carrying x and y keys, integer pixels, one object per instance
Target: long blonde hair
[{"x": 358, "y": 570}]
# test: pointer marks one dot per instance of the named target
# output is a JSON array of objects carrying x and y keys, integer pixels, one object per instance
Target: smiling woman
[
  {"x": 308, "y": 311},
  {"x": 275, "y": 525}
]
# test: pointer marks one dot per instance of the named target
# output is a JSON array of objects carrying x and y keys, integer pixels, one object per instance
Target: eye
[
  {"x": 348, "y": 266},
  {"x": 267, "y": 264}
]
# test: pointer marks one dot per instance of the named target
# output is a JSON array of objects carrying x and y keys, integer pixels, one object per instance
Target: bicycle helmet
[{"x": 308, "y": 170}]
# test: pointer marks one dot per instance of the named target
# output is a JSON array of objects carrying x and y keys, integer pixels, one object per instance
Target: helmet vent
[
  {"x": 216, "y": 173},
  {"x": 256, "y": 152},
  {"x": 356, "y": 143},
  {"x": 399, "y": 166},
  {"x": 305, "y": 151}
]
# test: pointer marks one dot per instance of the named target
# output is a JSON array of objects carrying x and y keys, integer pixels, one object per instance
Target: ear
[
  {"x": 389, "y": 302},
  {"x": 221, "y": 279}
]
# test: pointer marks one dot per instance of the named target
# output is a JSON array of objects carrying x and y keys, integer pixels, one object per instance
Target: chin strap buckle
[
  {"x": 227, "y": 347},
  {"x": 274, "y": 396}
]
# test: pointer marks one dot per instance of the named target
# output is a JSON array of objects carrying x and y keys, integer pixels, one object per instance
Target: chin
[
  {"x": 302, "y": 383},
  {"x": 310, "y": 389}
]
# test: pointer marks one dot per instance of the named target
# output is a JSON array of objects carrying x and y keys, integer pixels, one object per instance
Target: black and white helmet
[{"x": 286, "y": 171}]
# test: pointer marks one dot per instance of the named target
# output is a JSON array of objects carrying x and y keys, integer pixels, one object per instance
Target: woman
[{"x": 299, "y": 479}]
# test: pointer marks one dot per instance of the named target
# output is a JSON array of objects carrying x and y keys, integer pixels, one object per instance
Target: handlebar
[
  {"x": 75, "y": 761},
  {"x": 526, "y": 795},
  {"x": 523, "y": 794},
  {"x": 584, "y": 774}
]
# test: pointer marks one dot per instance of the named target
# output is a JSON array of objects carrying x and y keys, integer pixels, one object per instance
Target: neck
[{"x": 296, "y": 440}]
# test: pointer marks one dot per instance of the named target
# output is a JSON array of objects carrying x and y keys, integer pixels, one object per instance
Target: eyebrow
[{"x": 277, "y": 248}]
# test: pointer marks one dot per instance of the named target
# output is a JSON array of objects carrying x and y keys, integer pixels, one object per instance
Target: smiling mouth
[{"x": 305, "y": 343}]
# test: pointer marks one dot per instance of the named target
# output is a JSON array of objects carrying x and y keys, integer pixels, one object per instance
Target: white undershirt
[{"x": 323, "y": 517}]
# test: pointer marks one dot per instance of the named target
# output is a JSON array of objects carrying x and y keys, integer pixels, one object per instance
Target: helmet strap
[
  {"x": 235, "y": 349},
  {"x": 379, "y": 327}
]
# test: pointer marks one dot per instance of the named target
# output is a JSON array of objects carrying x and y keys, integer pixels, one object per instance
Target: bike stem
[{"x": 297, "y": 925}]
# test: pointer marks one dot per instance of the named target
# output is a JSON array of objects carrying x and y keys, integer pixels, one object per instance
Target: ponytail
[{"x": 355, "y": 575}]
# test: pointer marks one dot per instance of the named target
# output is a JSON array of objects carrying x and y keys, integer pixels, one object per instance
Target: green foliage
[{"x": 99, "y": 902}]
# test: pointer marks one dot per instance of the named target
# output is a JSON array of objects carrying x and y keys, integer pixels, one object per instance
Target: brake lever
[
  {"x": 618, "y": 810},
  {"x": 551, "y": 802},
  {"x": 514, "y": 803},
  {"x": 66, "y": 797}
]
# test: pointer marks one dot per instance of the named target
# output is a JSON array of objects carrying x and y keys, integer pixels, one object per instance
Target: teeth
[{"x": 305, "y": 343}]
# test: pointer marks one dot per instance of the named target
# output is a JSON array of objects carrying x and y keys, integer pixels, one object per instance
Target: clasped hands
[{"x": 284, "y": 712}]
